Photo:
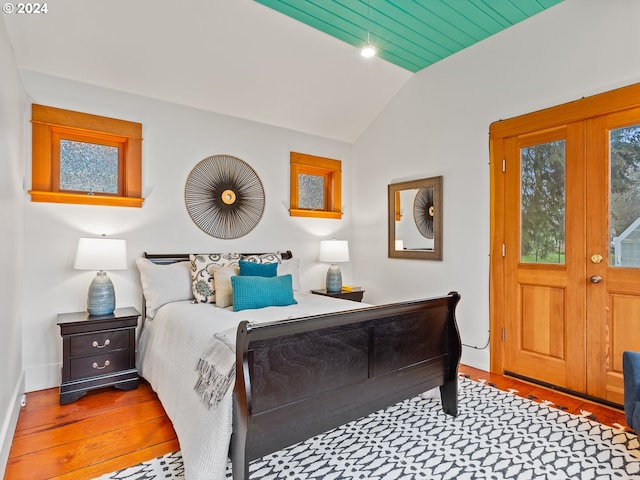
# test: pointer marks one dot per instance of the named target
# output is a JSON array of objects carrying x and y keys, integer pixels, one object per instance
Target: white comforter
[{"x": 168, "y": 351}]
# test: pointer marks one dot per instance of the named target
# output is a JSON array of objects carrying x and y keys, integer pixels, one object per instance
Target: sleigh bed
[{"x": 299, "y": 370}]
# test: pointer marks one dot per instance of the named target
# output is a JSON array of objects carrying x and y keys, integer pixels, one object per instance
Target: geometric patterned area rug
[{"x": 497, "y": 435}]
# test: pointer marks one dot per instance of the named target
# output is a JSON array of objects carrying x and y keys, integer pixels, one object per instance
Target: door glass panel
[
  {"x": 624, "y": 192},
  {"x": 542, "y": 203},
  {"x": 88, "y": 167}
]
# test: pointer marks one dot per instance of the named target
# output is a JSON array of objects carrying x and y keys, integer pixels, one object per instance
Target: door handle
[{"x": 595, "y": 278}]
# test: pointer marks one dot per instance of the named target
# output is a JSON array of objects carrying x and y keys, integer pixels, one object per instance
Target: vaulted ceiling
[{"x": 244, "y": 58}]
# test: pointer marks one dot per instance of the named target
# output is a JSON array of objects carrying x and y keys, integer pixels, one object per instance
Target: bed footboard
[{"x": 301, "y": 377}]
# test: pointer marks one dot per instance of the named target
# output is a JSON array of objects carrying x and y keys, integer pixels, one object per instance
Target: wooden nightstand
[
  {"x": 97, "y": 351},
  {"x": 355, "y": 296}
]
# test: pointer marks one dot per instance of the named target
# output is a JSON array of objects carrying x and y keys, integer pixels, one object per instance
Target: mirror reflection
[{"x": 415, "y": 219}]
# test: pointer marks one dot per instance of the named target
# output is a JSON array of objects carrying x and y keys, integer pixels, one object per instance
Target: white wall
[
  {"x": 438, "y": 125},
  {"x": 175, "y": 140},
  {"x": 11, "y": 257}
]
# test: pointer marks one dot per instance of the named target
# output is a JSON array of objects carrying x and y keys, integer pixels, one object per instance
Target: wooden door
[
  {"x": 544, "y": 252},
  {"x": 613, "y": 233},
  {"x": 565, "y": 243}
]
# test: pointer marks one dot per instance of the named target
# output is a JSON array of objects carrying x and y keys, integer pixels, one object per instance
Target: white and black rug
[{"x": 497, "y": 435}]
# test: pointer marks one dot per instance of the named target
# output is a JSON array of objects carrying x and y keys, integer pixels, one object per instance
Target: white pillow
[
  {"x": 292, "y": 267},
  {"x": 222, "y": 280},
  {"x": 164, "y": 283}
]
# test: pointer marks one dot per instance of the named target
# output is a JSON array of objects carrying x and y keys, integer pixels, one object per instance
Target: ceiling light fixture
[{"x": 368, "y": 50}]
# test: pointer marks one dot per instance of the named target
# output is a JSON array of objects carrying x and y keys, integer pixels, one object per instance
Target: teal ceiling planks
[{"x": 412, "y": 34}]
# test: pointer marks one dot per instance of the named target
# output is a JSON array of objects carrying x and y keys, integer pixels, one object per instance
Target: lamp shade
[
  {"x": 101, "y": 254},
  {"x": 334, "y": 251}
]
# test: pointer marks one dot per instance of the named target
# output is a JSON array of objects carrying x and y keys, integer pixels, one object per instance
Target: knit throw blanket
[{"x": 216, "y": 370}]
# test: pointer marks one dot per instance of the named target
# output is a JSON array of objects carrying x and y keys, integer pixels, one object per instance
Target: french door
[
  {"x": 565, "y": 266},
  {"x": 613, "y": 289}
]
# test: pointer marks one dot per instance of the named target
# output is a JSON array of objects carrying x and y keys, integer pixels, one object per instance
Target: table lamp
[
  {"x": 101, "y": 254},
  {"x": 333, "y": 252}
]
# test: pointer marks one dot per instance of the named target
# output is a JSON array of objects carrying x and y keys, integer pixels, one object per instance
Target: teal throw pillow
[
  {"x": 258, "y": 269},
  {"x": 258, "y": 292}
]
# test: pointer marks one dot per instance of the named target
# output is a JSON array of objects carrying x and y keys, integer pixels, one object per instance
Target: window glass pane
[
  {"x": 624, "y": 191},
  {"x": 311, "y": 192},
  {"x": 542, "y": 197},
  {"x": 88, "y": 167}
]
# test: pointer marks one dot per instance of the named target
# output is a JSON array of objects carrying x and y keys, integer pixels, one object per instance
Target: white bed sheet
[{"x": 168, "y": 351}]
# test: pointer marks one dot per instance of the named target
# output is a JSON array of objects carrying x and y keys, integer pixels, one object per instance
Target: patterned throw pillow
[
  {"x": 263, "y": 258},
  {"x": 202, "y": 273}
]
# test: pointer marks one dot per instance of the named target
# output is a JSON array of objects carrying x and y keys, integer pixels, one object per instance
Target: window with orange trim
[
  {"x": 85, "y": 159},
  {"x": 316, "y": 186}
]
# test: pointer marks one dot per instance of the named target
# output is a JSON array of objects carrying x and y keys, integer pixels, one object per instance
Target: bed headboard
[
  {"x": 166, "y": 258},
  {"x": 169, "y": 258}
]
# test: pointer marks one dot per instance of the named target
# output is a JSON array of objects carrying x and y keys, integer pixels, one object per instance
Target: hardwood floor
[
  {"x": 110, "y": 429},
  {"x": 612, "y": 417},
  {"x": 106, "y": 430}
]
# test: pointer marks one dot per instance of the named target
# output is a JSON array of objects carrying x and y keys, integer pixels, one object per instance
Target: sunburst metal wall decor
[
  {"x": 423, "y": 211},
  {"x": 224, "y": 196}
]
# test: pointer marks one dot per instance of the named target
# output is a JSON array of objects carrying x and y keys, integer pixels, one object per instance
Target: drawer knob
[
  {"x": 97, "y": 345},
  {"x": 97, "y": 367}
]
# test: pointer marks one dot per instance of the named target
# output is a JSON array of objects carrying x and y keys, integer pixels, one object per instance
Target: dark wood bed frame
[{"x": 297, "y": 378}]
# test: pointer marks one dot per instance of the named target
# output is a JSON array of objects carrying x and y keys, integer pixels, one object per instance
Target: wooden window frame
[
  {"x": 50, "y": 124},
  {"x": 331, "y": 171}
]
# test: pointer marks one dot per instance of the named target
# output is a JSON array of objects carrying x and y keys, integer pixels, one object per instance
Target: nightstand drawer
[
  {"x": 99, "y": 364},
  {"x": 98, "y": 342}
]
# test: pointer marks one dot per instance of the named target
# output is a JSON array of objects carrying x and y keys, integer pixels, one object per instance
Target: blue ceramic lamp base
[
  {"x": 334, "y": 279},
  {"x": 101, "y": 299}
]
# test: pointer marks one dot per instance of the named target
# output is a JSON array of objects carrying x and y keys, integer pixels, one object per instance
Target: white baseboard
[
  {"x": 476, "y": 358},
  {"x": 9, "y": 424},
  {"x": 42, "y": 377}
]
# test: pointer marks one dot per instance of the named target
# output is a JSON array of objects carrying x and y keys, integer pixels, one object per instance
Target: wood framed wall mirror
[{"x": 415, "y": 219}]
